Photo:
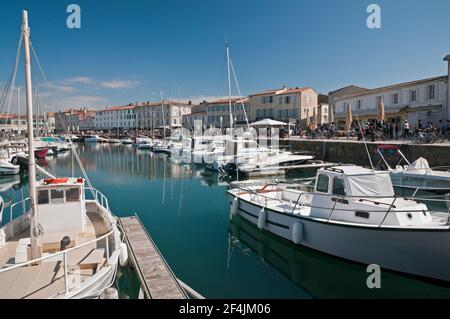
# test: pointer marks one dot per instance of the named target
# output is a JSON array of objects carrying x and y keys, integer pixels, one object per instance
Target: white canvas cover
[
  {"x": 419, "y": 166},
  {"x": 378, "y": 184}
]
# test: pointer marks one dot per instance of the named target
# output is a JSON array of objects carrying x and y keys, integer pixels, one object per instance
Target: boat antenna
[
  {"x": 35, "y": 229},
  {"x": 365, "y": 143}
]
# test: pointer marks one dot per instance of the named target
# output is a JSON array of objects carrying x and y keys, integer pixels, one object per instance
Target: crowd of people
[{"x": 378, "y": 130}]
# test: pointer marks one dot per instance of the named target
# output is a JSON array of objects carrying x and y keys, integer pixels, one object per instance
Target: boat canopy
[
  {"x": 420, "y": 166},
  {"x": 363, "y": 181},
  {"x": 377, "y": 184}
]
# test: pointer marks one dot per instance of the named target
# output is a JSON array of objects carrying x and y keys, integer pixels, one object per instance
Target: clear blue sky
[{"x": 128, "y": 51}]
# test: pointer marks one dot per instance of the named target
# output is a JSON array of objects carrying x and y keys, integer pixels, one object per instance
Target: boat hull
[
  {"x": 41, "y": 153},
  {"x": 424, "y": 182},
  {"x": 420, "y": 252}
]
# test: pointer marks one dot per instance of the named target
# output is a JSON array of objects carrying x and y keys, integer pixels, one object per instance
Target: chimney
[{"x": 190, "y": 103}]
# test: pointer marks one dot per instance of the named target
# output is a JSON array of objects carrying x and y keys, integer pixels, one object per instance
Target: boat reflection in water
[{"x": 321, "y": 275}]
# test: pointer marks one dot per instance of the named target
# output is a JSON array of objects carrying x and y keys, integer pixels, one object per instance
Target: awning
[
  {"x": 268, "y": 122},
  {"x": 422, "y": 108}
]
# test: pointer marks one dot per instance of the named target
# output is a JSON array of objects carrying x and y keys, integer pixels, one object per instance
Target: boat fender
[
  {"x": 234, "y": 207},
  {"x": 123, "y": 254},
  {"x": 110, "y": 293},
  {"x": 262, "y": 218},
  {"x": 297, "y": 232}
]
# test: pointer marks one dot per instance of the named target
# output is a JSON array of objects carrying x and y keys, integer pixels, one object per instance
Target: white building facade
[
  {"x": 424, "y": 100},
  {"x": 116, "y": 117}
]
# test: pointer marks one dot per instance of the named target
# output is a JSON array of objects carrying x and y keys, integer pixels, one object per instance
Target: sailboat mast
[
  {"x": 229, "y": 91},
  {"x": 36, "y": 248},
  {"x": 18, "y": 113},
  {"x": 179, "y": 111},
  {"x": 163, "y": 119}
]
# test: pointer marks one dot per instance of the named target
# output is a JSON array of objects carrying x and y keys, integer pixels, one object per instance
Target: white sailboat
[
  {"x": 66, "y": 245},
  {"x": 353, "y": 213}
]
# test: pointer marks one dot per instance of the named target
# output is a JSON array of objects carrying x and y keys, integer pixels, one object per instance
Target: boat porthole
[{"x": 409, "y": 215}]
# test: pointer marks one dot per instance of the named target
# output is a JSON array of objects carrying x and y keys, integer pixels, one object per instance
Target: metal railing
[
  {"x": 64, "y": 254},
  {"x": 102, "y": 200},
  {"x": 23, "y": 202},
  {"x": 338, "y": 198}
]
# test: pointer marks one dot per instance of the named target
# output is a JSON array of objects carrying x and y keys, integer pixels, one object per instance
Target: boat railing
[
  {"x": 65, "y": 264},
  {"x": 441, "y": 168},
  {"x": 99, "y": 197},
  {"x": 24, "y": 205},
  {"x": 344, "y": 199}
]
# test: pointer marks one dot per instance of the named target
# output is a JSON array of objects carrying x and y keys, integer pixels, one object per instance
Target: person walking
[
  {"x": 405, "y": 129},
  {"x": 396, "y": 129}
]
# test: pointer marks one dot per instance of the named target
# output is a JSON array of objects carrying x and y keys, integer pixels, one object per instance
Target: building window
[
  {"x": 413, "y": 96},
  {"x": 395, "y": 98},
  {"x": 431, "y": 92},
  {"x": 287, "y": 99},
  {"x": 271, "y": 99},
  {"x": 280, "y": 100},
  {"x": 359, "y": 104}
]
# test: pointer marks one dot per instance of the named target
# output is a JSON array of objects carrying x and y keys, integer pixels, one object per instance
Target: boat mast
[
  {"x": 36, "y": 247},
  {"x": 229, "y": 90},
  {"x": 164, "y": 122},
  {"x": 18, "y": 113},
  {"x": 179, "y": 111}
]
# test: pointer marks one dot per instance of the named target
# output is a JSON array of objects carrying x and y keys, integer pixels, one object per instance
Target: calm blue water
[{"x": 187, "y": 214}]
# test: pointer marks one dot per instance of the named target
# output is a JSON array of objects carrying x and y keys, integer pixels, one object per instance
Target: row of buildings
[
  {"x": 296, "y": 106},
  {"x": 425, "y": 100}
]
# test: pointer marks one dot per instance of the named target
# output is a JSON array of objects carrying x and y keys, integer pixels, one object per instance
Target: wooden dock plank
[{"x": 158, "y": 279}]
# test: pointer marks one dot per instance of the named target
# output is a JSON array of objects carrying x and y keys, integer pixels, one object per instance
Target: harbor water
[{"x": 186, "y": 211}]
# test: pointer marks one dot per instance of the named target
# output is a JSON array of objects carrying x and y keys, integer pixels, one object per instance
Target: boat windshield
[{"x": 378, "y": 184}]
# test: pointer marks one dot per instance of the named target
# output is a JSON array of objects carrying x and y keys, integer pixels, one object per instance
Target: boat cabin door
[{"x": 330, "y": 199}]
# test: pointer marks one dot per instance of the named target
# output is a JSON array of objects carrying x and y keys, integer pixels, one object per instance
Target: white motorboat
[
  {"x": 66, "y": 245},
  {"x": 7, "y": 168},
  {"x": 273, "y": 163},
  {"x": 93, "y": 139},
  {"x": 416, "y": 175},
  {"x": 237, "y": 151},
  {"x": 353, "y": 213},
  {"x": 126, "y": 141}
]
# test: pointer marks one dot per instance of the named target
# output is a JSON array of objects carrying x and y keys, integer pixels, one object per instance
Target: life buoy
[{"x": 56, "y": 180}]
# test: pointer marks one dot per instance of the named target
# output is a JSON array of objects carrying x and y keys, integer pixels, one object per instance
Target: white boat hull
[
  {"x": 418, "y": 252},
  {"x": 422, "y": 181}
]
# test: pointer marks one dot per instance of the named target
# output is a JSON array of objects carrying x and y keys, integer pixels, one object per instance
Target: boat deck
[{"x": 47, "y": 278}]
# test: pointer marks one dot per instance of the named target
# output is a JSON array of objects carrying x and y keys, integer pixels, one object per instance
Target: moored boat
[{"x": 354, "y": 214}]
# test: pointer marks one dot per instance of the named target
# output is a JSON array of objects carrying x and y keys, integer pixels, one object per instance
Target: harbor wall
[{"x": 352, "y": 152}]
